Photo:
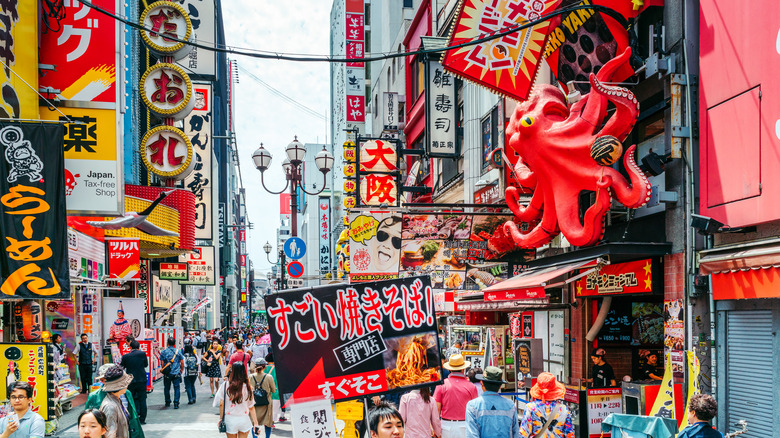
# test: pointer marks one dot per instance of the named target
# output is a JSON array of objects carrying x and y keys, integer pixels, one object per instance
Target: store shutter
[{"x": 749, "y": 358}]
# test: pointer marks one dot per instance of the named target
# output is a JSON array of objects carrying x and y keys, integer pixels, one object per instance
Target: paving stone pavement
[{"x": 164, "y": 422}]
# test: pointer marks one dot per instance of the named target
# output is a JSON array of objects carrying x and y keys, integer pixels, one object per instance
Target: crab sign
[{"x": 551, "y": 143}]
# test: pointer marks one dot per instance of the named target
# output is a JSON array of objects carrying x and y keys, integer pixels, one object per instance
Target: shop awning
[
  {"x": 739, "y": 259},
  {"x": 531, "y": 284}
]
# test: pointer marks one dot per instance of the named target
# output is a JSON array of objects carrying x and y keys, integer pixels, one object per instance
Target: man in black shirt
[
  {"x": 602, "y": 374},
  {"x": 86, "y": 353},
  {"x": 649, "y": 370},
  {"x": 135, "y": 363}
]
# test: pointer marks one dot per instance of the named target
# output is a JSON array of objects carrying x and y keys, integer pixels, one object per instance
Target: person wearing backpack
[
  {"x": 262, "y": 387},
  {"x": 190, "y": 372},
  {"x": 238, "y": 356}
]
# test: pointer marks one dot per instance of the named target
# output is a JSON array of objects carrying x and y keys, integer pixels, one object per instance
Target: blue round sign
[
  {"x": 295, "y": 269},
  {"x": 294, "y": 248}
]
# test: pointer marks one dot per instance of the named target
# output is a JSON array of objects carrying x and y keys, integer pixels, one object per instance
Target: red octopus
[{"x": 551, "y": 143}]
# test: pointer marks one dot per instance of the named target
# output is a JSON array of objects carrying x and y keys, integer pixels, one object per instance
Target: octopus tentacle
[
  {"x": 524, "y": 213},
  {"x": 596, "y": 109},
  {"x": 627, "y": 109},
  {"x": 541, "y": 234},
  {"x": 591, "y": 230},
  {"x": 638, "y": 193}
]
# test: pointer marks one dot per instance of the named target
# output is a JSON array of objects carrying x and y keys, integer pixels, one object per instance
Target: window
[
  {"x": 376, "y": 99},
  {"x": 489, "y": 136},
  {"x": 417, "y": 78}
]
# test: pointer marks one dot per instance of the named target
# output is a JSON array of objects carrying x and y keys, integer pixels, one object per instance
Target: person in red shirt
[
  {"x": 238, "y": 356},
  {"x": 453, "y": 396}
]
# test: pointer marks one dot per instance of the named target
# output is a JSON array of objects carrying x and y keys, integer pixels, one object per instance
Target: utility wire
[
  {"x": 326, "y": 58},
  {"x": 283, "y": 96}
]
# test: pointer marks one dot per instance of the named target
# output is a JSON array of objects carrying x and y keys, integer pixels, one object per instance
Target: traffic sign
[
  {"x": 294, "y": 248},
  {"x": 295, "y": 269}
]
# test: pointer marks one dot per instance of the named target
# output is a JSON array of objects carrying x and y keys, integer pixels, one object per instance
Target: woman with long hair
[
  {"x": 212, "y": 357},
  {"x": 236, "y": 403},
  {"x": 92, "y": 424},
  {"x": 420, "y": 414},
  {"x": 190, "y": 372}
]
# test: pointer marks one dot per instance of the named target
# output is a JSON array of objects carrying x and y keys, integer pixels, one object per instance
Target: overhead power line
[{"x": 283, "y": 96}]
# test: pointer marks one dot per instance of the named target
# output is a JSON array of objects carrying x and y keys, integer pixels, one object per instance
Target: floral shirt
[{"x": 535, "y": 416}]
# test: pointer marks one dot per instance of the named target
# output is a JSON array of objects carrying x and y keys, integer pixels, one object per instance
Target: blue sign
[
  {"x": 294, "y": 248},
  {"x": 295, "y": 269}
]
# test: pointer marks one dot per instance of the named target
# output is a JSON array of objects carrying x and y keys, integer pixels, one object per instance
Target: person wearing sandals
[
  {"x": 212, "y": 357},
  {"x": 260, "y": 379}
]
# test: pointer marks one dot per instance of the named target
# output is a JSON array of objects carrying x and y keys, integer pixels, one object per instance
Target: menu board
[
  {"x": 633, "y": 323},
  {"x": 601, "y": 403}
]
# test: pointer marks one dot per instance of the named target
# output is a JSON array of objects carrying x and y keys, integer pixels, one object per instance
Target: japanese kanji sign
[
  {"x": 323, "y": 219},
  {"x": 442, "y": 106},
  {"x": 34, "y": 367},
  {"x": 619, "y": 278},
  {"x": 360, "y": 340},
  {"x": 200, "y": 61},
  {"x": 168, "y": 22},
  {"x": 313, "y": 420},
  {"x": 377, "y": 176},
  {"x": 201, "y": 261},
  {"x": 86, "y": 43},
  {"x": 197, "y": 127},
  {"x": 390, "y": 112},
  {"x": 33, "y": 225},
  {"x": 167, "y": 91},
  {"x": 174, "y": 271},
  {"x": 124, "y": 259},
  {"x": 508, "y": 64},
  {"x": 167, "y": 152},
  {"x": 162, "y": 292}
]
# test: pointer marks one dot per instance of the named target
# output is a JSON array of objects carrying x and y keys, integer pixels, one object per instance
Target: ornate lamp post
[
  {"x": 296, "y": 154},
  {"x": 267, "y": 248}
]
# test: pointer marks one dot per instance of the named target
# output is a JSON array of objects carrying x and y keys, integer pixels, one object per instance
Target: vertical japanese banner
[
  {"x": 441, "y": 102},
  {"x": 360, "y": 340},
  {"x": 124, "y": 259},
  {"x": 199, "y": 61},
  {"x": 33, "y": 221},
  {"x": 390, "y": 112},
  {"x": 323, "y": 214},
  {"x": 197, "y": 126},
  {"x": 30, "y": 363},
  {"x": 142, "y": 286},
  {"x": 355, "y": 74},
  {"x": 18, "y": 40}
]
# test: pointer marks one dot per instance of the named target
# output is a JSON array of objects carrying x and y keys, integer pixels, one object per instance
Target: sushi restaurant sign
[
  {"x": 619, "y": 278},
  {"x": 361, "y": 340}
]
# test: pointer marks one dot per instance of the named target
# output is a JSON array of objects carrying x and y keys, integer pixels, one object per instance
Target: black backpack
[{"x": 261, "y": 395}]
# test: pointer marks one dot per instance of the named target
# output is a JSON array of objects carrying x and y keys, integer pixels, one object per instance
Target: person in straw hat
[
  {"x": 452, "y": 397},
  {"x": 546, "y": 415},
  {"x": 117, "y": 417},
  {"x": 491, "y": 415}
]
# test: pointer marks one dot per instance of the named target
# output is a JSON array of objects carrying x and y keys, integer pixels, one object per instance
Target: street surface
[{"x": 162, "y": 422}]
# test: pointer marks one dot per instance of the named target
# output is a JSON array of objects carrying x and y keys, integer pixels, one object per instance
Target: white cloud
[{"x": 291, "y": 26}]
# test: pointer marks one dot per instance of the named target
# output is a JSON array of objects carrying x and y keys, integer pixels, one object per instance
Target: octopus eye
[{"x": 527, "y": 121}]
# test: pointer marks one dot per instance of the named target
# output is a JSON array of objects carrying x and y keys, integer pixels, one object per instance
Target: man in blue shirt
[
  {"x": 23, "y": 423},
  {"x": 491, "y": 415},
  {"x": 701, "y": 409},
  {"x": 171, "y": 364}
]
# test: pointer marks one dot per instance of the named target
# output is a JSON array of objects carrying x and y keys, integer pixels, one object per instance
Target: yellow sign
[
  {"x": 92, "y": 139},
  {"x": 28, "y": 363},
  {"x": 349, "y": 202},
  {"x": 19, "y": 40},
  {"x": 664, "y": 403},
  {"x": 363, "y": 228},
  {"x": 693, "y": 384}
]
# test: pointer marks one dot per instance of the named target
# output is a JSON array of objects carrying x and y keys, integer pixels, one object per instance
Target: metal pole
[{"x": 294, "y": 201}]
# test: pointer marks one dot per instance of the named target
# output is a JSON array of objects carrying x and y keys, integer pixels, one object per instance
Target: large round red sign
[{"x": 295, "y": 269}]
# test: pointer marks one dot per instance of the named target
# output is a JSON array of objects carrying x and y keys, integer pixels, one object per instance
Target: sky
[{"x": 292, "y": 26}]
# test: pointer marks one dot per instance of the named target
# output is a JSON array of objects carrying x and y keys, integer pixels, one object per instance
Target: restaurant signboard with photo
[{"x": 361, "y": 340}]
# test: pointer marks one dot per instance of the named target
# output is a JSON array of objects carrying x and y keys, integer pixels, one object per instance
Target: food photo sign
[{"x": 346, "y": 342}]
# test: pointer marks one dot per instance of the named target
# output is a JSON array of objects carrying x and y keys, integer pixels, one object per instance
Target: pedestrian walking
[
  {"x": 420, "y": 414},
  {"x": 190, "y": 372},
  {"x": 262, "y": 388},
  {"x": 212, "y": 358},
  {"x": 22, "y": 422},
  {"x": 95, "y": 400},
  {"x": 490, "y": 415},
  {"x": 172, "y": 363},
  {"x": 701, "y": 410},
  {"x": 86, "y": 354},
  {"x": 278, "y": 413},
  {"x": 92, "y": 424},
  {"x": 384, "y": 421},
  {"x": 135, "y": 363},
  {"x": 239, "y": 356},
  {"x": 117, "y": 416},
  {"x": 236, "y": 403},
  {"x": 547, "y": 415},
  {"x": 257, "y": 350},
  {"x": 452, "y": 397}
]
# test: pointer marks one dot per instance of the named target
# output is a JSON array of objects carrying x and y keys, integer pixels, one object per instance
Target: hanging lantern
[
  {"x": 349, "y": 152},
  {"x": 606, "y": 150},
  {"x": 166, "y": 90},
  {"x": 349, "y": 186},
  {"x": 349, "y": 202},
  {"x": 349, "y": 169},
  {"x": 345, "y": 221},
  {"x": 166, "y": 151},
  {"x": 166, "y": 20}
]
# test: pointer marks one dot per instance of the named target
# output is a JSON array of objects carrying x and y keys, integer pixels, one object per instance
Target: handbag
[
  {"x": 221, "y": 425},
  {"x": 204, "y": 366},
  {"x": 261, "y": 395}
]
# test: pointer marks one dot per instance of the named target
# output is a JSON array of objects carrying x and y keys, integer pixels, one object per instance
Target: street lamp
[
  {"x": 291, "y": 165},
  {"x": 280, "y": 259}
]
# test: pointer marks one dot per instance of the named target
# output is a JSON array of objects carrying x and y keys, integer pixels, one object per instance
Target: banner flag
[
  {"x": 693, "y": 384},
  {"x": 664, "y": 403}
]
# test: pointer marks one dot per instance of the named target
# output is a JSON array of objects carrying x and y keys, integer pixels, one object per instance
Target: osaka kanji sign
[{"x": 360, "y": 340}]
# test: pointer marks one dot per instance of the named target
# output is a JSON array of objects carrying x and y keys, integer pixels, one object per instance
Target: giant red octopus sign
[{"x": 560, "y": 151}]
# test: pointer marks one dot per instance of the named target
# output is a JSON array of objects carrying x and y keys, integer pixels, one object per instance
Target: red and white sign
[
  {"x": 601, "y": 403},
  {"x": 173, "y": 271},
  {"x": 323, "y": 217},
  {"x": 167, "y": 152},
  {"x": 142, "y": 288},
  {"x": 620, "y": 278},
  {"x": 201, "y": 261},
  {"x": 146, "y": 347},
  {"x": 124, "y": 259},
  {"x": 356, "y": 109}
]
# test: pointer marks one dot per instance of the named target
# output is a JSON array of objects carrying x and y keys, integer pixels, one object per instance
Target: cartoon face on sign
[
  {"x": 388, "y": 246},
  {"x": 20, "y": 155}
]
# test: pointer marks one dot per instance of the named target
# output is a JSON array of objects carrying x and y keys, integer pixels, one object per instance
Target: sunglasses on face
[{"x": 383, "y": 235}]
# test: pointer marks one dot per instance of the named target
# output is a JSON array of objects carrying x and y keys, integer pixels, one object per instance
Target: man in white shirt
[{"x": 257, "y": 350}]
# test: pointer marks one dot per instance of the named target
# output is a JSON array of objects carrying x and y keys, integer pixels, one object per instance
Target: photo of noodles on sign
[{"x": 411, "y": 360}]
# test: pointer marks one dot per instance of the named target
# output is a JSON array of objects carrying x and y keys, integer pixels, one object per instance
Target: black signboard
[
  {"x": 352, "y": 341},
  {"x": 33, "y": 226}
]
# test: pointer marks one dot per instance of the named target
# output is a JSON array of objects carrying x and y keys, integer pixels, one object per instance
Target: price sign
[{"x": 601, "y": 403}]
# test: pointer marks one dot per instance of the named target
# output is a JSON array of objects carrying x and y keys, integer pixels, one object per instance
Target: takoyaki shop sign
[
  {"x": 353, "y": 341},
  {"x": 619, "y": 278}
]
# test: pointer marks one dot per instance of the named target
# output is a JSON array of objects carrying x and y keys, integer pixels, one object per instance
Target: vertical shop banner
[
  {"x": 323, "y": 214},
  {"x": 86, "y": 43},
  {"x": 355, "y": 71},
  {"x": 674, "y": 324},
  {"x": 390, "y": 112},
  {"x": 61, "y": 318},
  {"x": 88, "y": 315},
  {"x": 356, "y": 109},
  {"x": 30, "y": 363},
  {"x": 142, "y": 286},
  {"x": 19, "y": 40},
  {"x": 33, "y": 221},
  {"x": 124, "y": 259},
  {"x": 356, "y": 81},
  {"x": 86, "y": 256},
  {"x": 130, "y": 322},
  {"x": 361, "y": 340},
  {"x": 199, "y": 61},
  {"x": 201, "y": 261},
  {"x": 664, "y": 405},
  {"x": 94, "y": 173},
  {"x": 442, "y": 105},
  {"x": 197, "y": 126},
  {"x": 162, "y": 292}
]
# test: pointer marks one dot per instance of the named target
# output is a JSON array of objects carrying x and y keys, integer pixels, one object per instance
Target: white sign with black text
[{"x": 442, "y": 106}]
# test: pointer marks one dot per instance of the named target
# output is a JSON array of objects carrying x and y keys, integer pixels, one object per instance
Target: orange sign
[{"x": 620, "y": 278}]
